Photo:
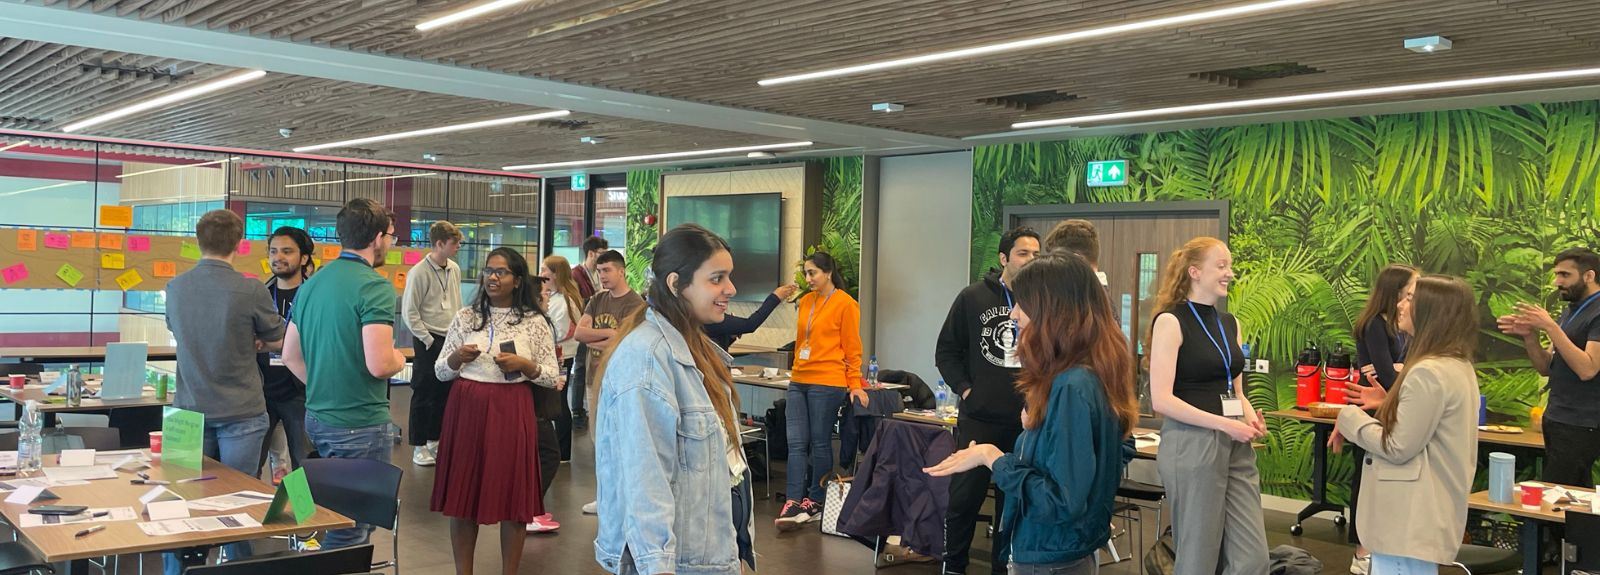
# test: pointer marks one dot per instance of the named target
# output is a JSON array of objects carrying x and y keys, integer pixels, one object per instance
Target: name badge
[
  {"x": 1012, "y": 361},
  {"x": 275, "y": 360},
  {"x": 1232, "y": 407},
  {"x": 805, "y": 352}
]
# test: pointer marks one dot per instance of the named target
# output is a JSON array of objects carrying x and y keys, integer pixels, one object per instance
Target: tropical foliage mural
[
  {"x": 1318, "y": 207},
  {"x": 644, "y": 198}
]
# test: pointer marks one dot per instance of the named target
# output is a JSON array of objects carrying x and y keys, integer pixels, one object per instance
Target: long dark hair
[
  {"x": 1071, "y": 325},
  {"x": 682, "y": 251},
  {"x": 825, "y": 262},
  {"x": 524, "y": 298},
  {"x": 1444, "y": 319},
  {"x": 302, "y": 241},
  {"x": 1384, "y": 300}
]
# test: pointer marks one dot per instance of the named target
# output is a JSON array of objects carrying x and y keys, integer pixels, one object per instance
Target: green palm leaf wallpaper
[{"x": 1318, "y": 207}]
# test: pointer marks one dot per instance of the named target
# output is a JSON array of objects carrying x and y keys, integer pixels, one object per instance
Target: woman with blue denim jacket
[
  {"x": 1080, "y": 404},
  {"x": 674, "y": 487}
]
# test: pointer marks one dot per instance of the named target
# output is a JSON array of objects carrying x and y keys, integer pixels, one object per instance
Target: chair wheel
[
  {"x": 1296, "y": 530},
  {"x": 1340, "y": 521}
]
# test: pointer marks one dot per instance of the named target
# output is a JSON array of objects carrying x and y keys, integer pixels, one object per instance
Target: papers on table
[
  {"x": 41, "y": 482},
  {"x": 116, "y": 458},
  {"x": 26, "y": 495},
  {"x": 111, "y": 514},
  {"x": 77, "y": 457},
  {"x": 230, "y": 501},
  {"x": 1143, "y": 440},
  {"x": 198, "y": 525},
  {"x": 85, "y": 473},
  {"x": 8, "y": 460}
]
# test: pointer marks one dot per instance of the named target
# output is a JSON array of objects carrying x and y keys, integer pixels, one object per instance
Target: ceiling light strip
[
  {"x": 438, "y": 130},
  {"x": 15, "y": 145},
  {"x": 167, "y": 100},
  {"x": 1191, "y": 18},
  {"x": 474, "y": 11},
  {"x": 168, "y": 168},
  {"x": 360, "y": 180},
  {"x": 46, "y": 187},
  {"x": 1318, "y": 97},
  {"x": 670, "y": 155}
]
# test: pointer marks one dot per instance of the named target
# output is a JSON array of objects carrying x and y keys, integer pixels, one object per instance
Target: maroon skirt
[{"x": 488, "y": 468}]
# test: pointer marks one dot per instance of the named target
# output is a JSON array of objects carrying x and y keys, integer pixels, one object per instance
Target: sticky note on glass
[
  {"x": 14, "y": 273},
  {"x": 394, "y": 258},
  {"x": 266, "y": 268},
  {"x": 330, "y": 253},
  {"x": 129, "y": 279},
  {"x": 27, "y": 240},
  {"x": 400, "y": 279},
  {"x": 110, "y": 241},
  {"x": 112, "y": 261},
  {"x": 57, "y": 241},
  {"x": 316, "y": 263},
  {"x": 384, "y": 273},
  {"x": 189, "y": 251},
  {"x": 138, "y": 243},
  {"x": 69, "y": 274},
  {"x": 116, "y": 216},
  {"x": 84, "y": 240},
  {"x": 249, "y": 275},
  {"x": 413, "y": 257},
  {"x": 166, "y": 269},
  {"x": 244, "y": 247}
]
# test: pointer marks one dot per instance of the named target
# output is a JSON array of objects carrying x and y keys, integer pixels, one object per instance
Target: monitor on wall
[{"x": 751, "y": 224}]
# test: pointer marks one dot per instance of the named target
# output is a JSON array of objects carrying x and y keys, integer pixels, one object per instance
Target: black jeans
[
  {"x": 577, "y": 383},
  {"x": 1357, "y": 455},
  {"x": 968, "y": 490},
  {"x": 564, "y": 421},
  {"x": 292, "y": 414},
  {"x": 1569, "y": 454},
  {"x": 549, "y": 456},
  {"x": 428, "y": 394}
]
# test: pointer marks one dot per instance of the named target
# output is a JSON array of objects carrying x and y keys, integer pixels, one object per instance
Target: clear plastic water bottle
[
  {"x": 872, "y": 373},
  {"x": 946, "y": 401},
  {"x": 30, "y": 446},
  {"x": 74, "y": 386}
]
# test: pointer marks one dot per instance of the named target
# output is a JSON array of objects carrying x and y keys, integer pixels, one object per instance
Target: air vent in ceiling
[
  {"x": 1242, "y": 77},
  {"x": 1029, "y": 101},
  {"x": 568, "y": 125},
  {"x": 23, "y": 122},
  {"x": 168, "y": 73}
]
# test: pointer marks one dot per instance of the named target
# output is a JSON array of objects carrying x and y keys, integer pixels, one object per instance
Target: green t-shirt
[{"x": 329, "y": 312}]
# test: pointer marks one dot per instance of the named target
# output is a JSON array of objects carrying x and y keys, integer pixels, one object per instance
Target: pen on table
[
  {"x": 165, "y": 482},
  {"x": 101, "y": 514},
  {"x": 200, "y": 478},
  {"x": 90, "y": 531}
]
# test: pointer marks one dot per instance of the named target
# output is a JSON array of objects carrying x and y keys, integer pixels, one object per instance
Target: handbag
[
  {"x": 1158, "y": 561},
  {"x": 835, "y": 489}
]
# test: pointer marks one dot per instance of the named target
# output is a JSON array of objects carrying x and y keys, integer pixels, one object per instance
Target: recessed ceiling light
[
  {"x": 669, "y": 155},
  {"x": 438, "y": 130},
  {"x": 888, "y": 107},
  {"x": 1319, "y": 97},
  {"x": 1428, "y": 45},
  {"x": 15, "y": 145},
  {"x": 474, "y": 11},
  {"x": 596, "y": 140},
  {"x": 169, "y": 99},
  {"x": 1015, "y": 45}
]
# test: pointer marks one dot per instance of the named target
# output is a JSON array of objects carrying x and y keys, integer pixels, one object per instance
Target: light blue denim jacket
[{"x": 661, "y": 464}]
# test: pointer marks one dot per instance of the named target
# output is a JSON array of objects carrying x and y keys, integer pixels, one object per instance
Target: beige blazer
[{"x": 1414, "y": 489}]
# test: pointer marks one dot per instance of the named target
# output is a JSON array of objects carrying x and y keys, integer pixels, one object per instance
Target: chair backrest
[
  {"x": 97, "y": 438},
  {"x": 365, "y": 490},
  {"x": 1583, "y": 534},
  {"x": 341, "y": 561}
]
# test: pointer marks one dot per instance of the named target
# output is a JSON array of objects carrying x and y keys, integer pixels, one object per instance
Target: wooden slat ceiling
[{"x": 715, "y": 50}]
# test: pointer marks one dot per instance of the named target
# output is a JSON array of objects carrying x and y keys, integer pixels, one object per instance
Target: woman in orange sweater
[{"x": 827, "y": 368}]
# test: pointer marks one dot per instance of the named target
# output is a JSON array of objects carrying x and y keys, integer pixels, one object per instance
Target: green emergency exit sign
[
  {"x": 1108, "y": 173},
  {"x": 580, "y": 182}
]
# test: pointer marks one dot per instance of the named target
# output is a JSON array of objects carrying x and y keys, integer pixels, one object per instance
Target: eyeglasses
[
  {"x": 496, "y": 272},
  {"x": 392, "y": 237}
]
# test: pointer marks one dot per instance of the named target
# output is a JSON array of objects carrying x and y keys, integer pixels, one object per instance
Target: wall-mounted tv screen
[{"x": 751, "y": 224}]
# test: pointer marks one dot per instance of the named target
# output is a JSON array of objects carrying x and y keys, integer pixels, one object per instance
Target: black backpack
[{"x": 777, "y": 430}]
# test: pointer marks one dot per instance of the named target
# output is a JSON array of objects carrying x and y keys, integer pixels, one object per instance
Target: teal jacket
[{"x": 1062, "y": 477}]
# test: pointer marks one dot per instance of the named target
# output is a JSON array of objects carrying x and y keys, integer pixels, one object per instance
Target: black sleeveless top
[{"x": 1200, "y": 379}]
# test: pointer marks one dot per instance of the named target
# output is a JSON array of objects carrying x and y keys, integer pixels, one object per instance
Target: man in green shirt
[{"x": 341, "y": 343}]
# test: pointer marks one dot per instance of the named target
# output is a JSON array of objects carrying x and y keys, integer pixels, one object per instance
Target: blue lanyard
[
  {"x": 277, "y": 305},
  {"x": 351, "y": 256},
  {"x": 1577, "y": 312},
  {"x": 1227, "y": 359},
  {"x": 1016, "y": 331}
]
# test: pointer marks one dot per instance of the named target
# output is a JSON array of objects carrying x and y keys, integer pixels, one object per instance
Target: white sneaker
[
  {"x": 1361, "y": 565},
  {"x": 422, "y": 457},
  {"x": 433, "y": 448},
  {"x": 591, "y": 508}
]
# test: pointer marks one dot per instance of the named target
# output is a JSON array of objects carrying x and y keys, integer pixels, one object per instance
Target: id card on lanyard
[
  {"x": 1232, "y": 405},
  {"x": 275, "y": 359},
  {"x": 805, "y": 348},
  {"x": 1011, "y": 360}
]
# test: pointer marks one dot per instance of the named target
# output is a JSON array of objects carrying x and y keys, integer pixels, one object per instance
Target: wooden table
[
  {"x": 95, "y": 354},
  {"x": 49, "y": 406},
  {"x": 1529, "y": 536},
  {"x": 739, "y": 350},
  {"x": 781, "y": 383},
  {"x": 56, "y": 543},
  {"x": 923, "y": 419},
  {"x": 1321, "y": 429},
  {"x": 1528, "y": 439},
  {"x": 1148, "y": 451}
]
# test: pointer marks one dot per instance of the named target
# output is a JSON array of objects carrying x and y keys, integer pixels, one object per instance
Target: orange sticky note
[
  {"x": 116, "y": 216},
  {"x": 384, "y": 273},
  {"x": 110, "y": 241},
  {"x": 330, "y": 253},
  {"x": 400, "y": 279},
  {"x": 129, "y": 279},
  {"x": 166, "y": 270},
  {"x": 27, "y": 240},
  {"x": 112, "y": 261},
  {"x": 83, "y": 240}
]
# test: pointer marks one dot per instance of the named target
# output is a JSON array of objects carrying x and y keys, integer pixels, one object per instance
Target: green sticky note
[
  {"x": 182, "y": 441},
  {"x": 395, "y": 257},
  {"x": 189, "y": 251},
  {"x": 297, "y": 494},
  {"x": 69, "y": 274}
]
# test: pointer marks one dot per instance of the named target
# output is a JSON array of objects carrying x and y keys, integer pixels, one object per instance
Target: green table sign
[
  {"x": 297, "y": 493},
  {"x": 1108, "y": 173},
  {"x": 182, "y": 440}
]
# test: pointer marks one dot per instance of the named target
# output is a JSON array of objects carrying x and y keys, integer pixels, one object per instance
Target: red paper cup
[
  {"x": 155, "y": 443},
  {"x": 18, "y": 380},
  {"x": 1532, "y": 494}
]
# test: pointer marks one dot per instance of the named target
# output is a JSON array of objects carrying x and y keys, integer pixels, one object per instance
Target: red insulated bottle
[
  {"x": 1308, "y": 377},
  {"x": 1337, "y": 374}
]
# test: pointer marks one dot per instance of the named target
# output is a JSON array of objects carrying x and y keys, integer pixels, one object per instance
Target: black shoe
[
  {"x": 792, "y": 516},
  {"x": 812, "y": 509},
  {"x": 580, "y": 422}
]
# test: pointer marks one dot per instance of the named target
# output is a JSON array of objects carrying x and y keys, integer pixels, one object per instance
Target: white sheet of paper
[
  {"x": 162, "y": 510},
  {"x": 198, "y": 524},
  {"x": 158, "y": 493},
  {"x": 129, "y": 463},
  {"x": 111, "y": 514},
  {"x": 40, "y": 482},
  {"x": 77, "y": 457},
  {"x": 86, "y": 473},
  {"x": 231, "y": 501},
  {"x": 8, "y": 459},
  {"x": 163, "y": 528},
  {"x": 25, "y": 495}
]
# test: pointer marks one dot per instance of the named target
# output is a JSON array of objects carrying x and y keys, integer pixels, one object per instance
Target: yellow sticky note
[
  {"x": 266, "y": 267},
  {"x": 166, "y": 269},
  {"x": 116, "y": 216},
  {"x": 27, "y": 240},
  {"x": 330, "y": 253},
  {"x": 112, "y": 261},
  {"x": 69, "y": 274},
  {"x": 316, "y": 263},
  {"x": 110, "y": 241},
  {"x": 129, "y": 279},
  {"x": 189, "y": 251}
]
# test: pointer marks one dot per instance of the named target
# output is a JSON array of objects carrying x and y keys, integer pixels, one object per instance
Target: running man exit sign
[{"x": 1108, "y": 173}]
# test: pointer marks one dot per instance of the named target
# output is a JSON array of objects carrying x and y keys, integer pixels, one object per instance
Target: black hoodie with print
[{"x": 971, "y": 352}]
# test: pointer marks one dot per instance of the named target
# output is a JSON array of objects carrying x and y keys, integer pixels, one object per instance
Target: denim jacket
[{"x": 660, "y": 464}]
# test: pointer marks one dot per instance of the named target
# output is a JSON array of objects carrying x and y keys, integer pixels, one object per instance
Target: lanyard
[
  {"x": 443, "y": 287},
  {"x": 1016, "y": 330},
  {"x": 1575, "y": 313},
  {"x": 1227, "y": 359},
  {"x": 277, "y": 305},
  {"x": 813, "y": 316},
  {"x": 352, "y": 256}
]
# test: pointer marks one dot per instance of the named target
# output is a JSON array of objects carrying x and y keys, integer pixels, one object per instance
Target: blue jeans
[
  {"x": 372, "y": 442},
  {"x": 237, "y": 444},
  {"x": 1397, "y": 565},
  {"x": 809, "y": 416}
]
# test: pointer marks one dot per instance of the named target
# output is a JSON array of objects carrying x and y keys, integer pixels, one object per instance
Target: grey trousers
[
  {"x": 1214, "y": 492},
  {"x": 1084, "y": 566}
]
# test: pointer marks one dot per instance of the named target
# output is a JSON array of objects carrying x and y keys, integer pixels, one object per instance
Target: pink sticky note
[
  {"x": 244, "y": 247},
  {"x": 57, "y": 241},
  {"x": 251, "y": 276},
  {"x": 138, "y": 243},
  {"x": 15, "y": 273},
  {"x": 412, "y": 258}
]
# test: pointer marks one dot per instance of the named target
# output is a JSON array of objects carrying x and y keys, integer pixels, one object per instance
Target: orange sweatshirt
[{"x": 835, "y": 341}]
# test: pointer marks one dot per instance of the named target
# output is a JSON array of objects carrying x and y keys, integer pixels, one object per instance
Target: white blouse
[
  {"x": 561, "y": 314},
  {"x": 531, "y": 336}
]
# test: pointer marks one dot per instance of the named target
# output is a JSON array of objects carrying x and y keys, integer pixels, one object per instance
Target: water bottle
[
  {"x": 30, "y": 445},
  {"x": 946, "y": 403},
  {"x": 161, "y": 388},
  {"x": 74, "y": 386},
  {"x": 1502, "y": 476},
  {"x": 872, "y": 373}
]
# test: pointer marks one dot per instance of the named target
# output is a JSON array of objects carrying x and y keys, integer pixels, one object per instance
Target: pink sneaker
[{"x": 543, "y": 524}]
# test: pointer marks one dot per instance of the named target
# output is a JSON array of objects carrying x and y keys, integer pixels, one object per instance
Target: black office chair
[
  {"x": 1581, "y": 543},
  {"x": 1481, "y": 560},
  {"x": 374, "y": 500},
  {"x": 342, "y": 561},
  {"x": 19, "y": 559}
]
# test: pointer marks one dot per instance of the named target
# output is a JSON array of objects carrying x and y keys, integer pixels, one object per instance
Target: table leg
[
  {"x": 1319, "y": 479},
  {"x": 1529, "y": 536}
]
